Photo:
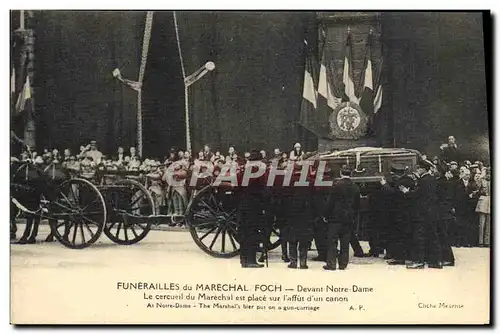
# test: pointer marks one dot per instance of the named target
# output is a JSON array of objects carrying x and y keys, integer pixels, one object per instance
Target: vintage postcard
[{"x": 250, "y": 167}]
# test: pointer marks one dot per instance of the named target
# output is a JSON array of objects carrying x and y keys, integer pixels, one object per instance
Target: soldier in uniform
[
  {"x": 423, "y": 200},
  {"x": 320, "y": 196},
  {"x": 398, "y": 214},
  {"x": 299, "y": 220},
  {"x": 251, "y": 217},
  {"x": 445, "y": 194},
  {"x": 341, "y": 207}
]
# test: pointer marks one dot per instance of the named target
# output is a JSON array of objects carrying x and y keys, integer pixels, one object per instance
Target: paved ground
[{"x": 53, "y": 284}]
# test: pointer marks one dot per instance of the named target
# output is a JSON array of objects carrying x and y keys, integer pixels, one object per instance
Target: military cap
[{"x": 398, "y": 168}]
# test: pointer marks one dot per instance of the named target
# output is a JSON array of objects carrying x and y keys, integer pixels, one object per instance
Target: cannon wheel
[
  {"x": 131, "y": 207},
  {"x": 211, "y": 218},
  {"x": 77, "y": 213}
]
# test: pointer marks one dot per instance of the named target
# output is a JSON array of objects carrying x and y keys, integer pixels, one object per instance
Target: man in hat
[
  {"x": 449, "y": 151},
  {"x": 94, "y": 153},
  {"x": 251, "y": 217},
  {"x": 398, "y": 215},
  {"x": 340, "y": 210},
  {"x": 423, "y": 200}
]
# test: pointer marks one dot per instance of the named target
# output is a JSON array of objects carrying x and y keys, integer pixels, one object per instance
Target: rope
[
  {"x": 186, "y": 92},
  {"x": 142, "y": 70},
  {"x": 179, "y": 46}
]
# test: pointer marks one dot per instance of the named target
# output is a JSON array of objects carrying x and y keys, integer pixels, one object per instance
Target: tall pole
[
  {"x": 186, "y": 91},
  {"x": 186, "y": 111}
]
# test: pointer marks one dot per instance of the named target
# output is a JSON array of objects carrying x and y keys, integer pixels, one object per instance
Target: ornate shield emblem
[{"x": 348, "y": 121}]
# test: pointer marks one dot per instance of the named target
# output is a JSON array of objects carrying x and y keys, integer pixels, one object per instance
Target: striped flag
[
  {"x": 24, "y": 98},
  {"x": 378, "y": 96},
  {"x": 348, "y": 75},
  {"x": 367, "y": 99},
  {"x": 327, "y": 99},
  {"x": 309, "y": 94}
]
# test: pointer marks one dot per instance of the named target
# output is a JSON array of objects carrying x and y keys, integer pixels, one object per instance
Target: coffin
[{"x": 369, "y": 164}]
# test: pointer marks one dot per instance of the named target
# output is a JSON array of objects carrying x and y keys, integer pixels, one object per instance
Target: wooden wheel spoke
[
  {"x": 137, "y": 199},
  {"x": 204, "y": 224},
  {"x": 133, "y": 230},
  {"x": 75, "y": 228},
  {"x": 125, "y": 232},
  {"x": 223, "y": 240},
  {"x": 216, "y": 202},
  {"x": 67, "y": 200},
  {"x": 90, "y": 230},
  {"x": 214, "y": 239},
  {"x": 97, "y": 199},
  {"x": 73, "y": 193},
  {"x": 111, "y": 225},
  {"x": 207, "y": 233},
  {"x": 118, "y": 230},
  {"x": 81, "y": 231},
  {"x": 208, "y": 207},
  {"x": 89, "y": 220},
  {"x": 231, "y": 239},
  {"x": 62, "y": 206}
]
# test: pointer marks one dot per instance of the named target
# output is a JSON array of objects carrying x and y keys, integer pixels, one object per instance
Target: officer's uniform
[
  {"x": 342, "y": 205},
  {"x": 251, "y": 218},
  {"x": 299, "y": 233},
  {"x": 424, "y": 220},
  {"x": 398, "y": 214},
  {"x": 445, "y": 193}
]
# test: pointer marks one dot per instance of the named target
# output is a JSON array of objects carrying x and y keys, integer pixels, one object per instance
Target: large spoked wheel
[
  {"x": 131, "y": 208},
  {"x": 212, "y": 223},
  {"x": 77, "y": 213}
]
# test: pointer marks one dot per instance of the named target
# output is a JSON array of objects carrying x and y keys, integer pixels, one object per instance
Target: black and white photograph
[{"x": 250, "y": 167}]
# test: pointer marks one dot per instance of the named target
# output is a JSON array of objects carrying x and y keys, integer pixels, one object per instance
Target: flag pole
[{"x": 186, "y": 90}]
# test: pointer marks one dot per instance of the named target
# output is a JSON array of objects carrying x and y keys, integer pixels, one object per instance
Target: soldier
[
  {"x": 299, "y": 220},
  {"x": 342, "y": 204},
  {"x": 320, "y": 195},
  {"x": 445, "y": 193},
  {"x": 398, "y": 214},
  {"x": 423, "y": 202},
  {"x": 251, "y": 217}
]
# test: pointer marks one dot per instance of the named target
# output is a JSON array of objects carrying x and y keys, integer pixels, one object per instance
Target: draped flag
[
  {"x": 348, "y": 76},
  {"x": 367, "y": 99},
  {"x": 309, "y": 93},
  {"x": 24, "y": 99},
  {"x": 13, "y": 82},
  {"x": 378, "y": 95},
  {"x": 327, "y": 99}
]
